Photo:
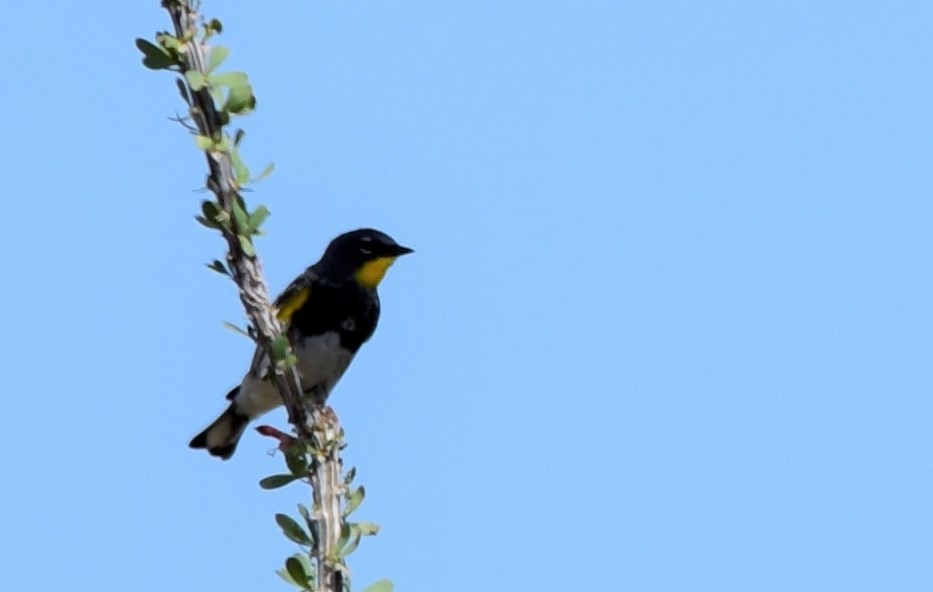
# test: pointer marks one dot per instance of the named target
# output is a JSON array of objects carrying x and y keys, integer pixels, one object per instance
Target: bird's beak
[{"x": 399, "y": 250}]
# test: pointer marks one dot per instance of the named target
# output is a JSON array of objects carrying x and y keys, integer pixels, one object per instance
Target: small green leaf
[
  {"x": 203, "y": 142},
  {"x": 230, "y": 79},
  {"x": 238, "y": 137},
  {"x": 169, "y": 42},
  {"x": 304, "y": 512},
  {"x": 276, "y": 481},
  {"x": 312, "y": 524},
  {"x": 296, "y": 571},
  {"x": 240, "y": 99},
  {"x": 237, "y": 330},
  {"x": 218, "y": 55},
  {"x": 292, "y": 529},
  {"x": 227, "y": 145},
  {"x": 155, "y": 57},
  {"x": 247, "y": 246},
  {"x": 211, "y": 211},
  {"x": 265, "y": 172},
  {"x": 301, "y": 575},
  {"x": 368, "y": 528},
  {"x": 380, "y": 586},
  {"x": 350, "y": 476},
  {"x": 283, "y": 573},
  {"x": 240, "y": 216},
  {"x": 195, "y": 80},
  {"x": 280, "y": 347},
  {"x": 354, "y": 500},
  {"x": 215, "y": 25},
  {"x": 239, "y": 168},
  {"x": 217, "y": 95},
  {"x": 183, "y": 90},
  {"x": 354, "y": 541},
  {"x": 219, "y": 267},
  {"x": 296, "y": 463},
  {"x": 305, "y": 563},
  {"x": 205, "y": 222},
  {"x": 256, "y": 219}
]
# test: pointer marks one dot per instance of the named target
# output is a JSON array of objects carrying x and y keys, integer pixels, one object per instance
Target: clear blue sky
[{"x": 669, "y": 326}]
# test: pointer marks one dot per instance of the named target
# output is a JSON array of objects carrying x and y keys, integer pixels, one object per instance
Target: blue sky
[{"x": 668, "y": 326}]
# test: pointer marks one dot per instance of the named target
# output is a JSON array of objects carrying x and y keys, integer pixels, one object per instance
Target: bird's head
[{"x": 363, "y": 255}]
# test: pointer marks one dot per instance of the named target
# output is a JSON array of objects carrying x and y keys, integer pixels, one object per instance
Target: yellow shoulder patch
[
  {"x": 292, "y": 302},
  {"x": 372, "y": 272}
]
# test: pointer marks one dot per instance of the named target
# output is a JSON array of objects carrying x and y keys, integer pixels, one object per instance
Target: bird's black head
[{"x": 363, "y": 255}]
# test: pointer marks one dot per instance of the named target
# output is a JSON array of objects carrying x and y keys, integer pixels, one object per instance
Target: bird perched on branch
[{"x": 328, "y": 312}]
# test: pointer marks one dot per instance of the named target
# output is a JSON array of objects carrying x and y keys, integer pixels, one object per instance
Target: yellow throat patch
[{"x": 372, "y": 272}]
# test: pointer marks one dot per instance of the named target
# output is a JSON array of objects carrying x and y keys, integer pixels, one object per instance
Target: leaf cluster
[
  {"x": 218, "y": 97},
  {"x": 306, "y": 531}
]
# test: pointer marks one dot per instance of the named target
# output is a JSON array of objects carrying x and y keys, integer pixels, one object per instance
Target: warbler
[{"x": 328, "y": 312}]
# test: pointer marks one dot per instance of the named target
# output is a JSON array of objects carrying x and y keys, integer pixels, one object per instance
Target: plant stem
[{"x": 314, "y": 422}]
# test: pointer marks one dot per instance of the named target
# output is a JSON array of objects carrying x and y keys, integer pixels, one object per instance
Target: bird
[{"x": 328, "y": 312}]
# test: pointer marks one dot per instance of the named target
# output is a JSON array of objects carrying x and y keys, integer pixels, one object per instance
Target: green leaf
[
  {"x": 247, "y": 246},
  {"x": 240, "y": 99},
  {"x": 237, "y": 329},
  {"x": 311, "y": 522},
  {"x": 219, "y": 267},
  {"x": 354, "y": 541},
  {"x": 296, "y": 571},
  {"x": 380, "y": 586},
  {"x": 239, "y": 214},
  {"x": 183, "y": 91},
  {"x": 212, "y": 211},
  {"x": 217, "y": 95},
  {"x": 230, "y": 79},
  {"x": 256, "y": 219},
  {"x": 203, "y": 142},
  {"x": 368, "y": 528},
  {"x": 280, "y": 347},
  {"x": 292, "y": 529},
  {"x": 276, "y": 481},
  {"x": 350, "y": 476},
  {"x": 195, "y": 80},
  {"x": 296, "y": 463},
  {"x": 283, "y": 573},
  {"x": 155, "y": 57},
  {"x": 354, "y": 500},
  {"x": 239, "y": 168},
  {"x": 169, "y": 42},
  {"x": 218, "y": 55},
  {"x": 265, "y": 172},
  {"x": 215, "y": 25},
  {"x": 205, "y": 222},
  {"x": 227, "y": 145},
  {"x": 304, "y": 512},
  {"x": 238, "y": 137}
]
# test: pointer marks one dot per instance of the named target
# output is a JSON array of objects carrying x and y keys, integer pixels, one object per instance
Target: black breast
[{"x": 348, "y": 309}]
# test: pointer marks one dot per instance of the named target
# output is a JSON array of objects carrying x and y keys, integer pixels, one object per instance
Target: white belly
[{"x": 321, "y": 363}]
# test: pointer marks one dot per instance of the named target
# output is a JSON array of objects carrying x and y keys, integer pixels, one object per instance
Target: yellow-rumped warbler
[{"x": 329, "y": 311}]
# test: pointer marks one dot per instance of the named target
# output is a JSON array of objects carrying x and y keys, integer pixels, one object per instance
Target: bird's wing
[
  {"x": 294, "y": 296},
  {"x": 291, "y": 299}
]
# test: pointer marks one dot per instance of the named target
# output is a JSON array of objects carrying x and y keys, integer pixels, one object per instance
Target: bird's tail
[{"x": 221, "y": 437}]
